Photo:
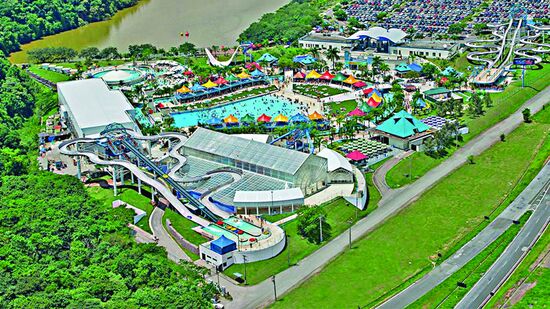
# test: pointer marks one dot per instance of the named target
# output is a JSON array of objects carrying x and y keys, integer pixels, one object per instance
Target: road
[
  {"x": 175, "y": 253},
  {"x": 262, "y": 293},
  {"x": 379, "y": 177},
  {"x": 471, "y": 249},
  {"x": 503, "y": 267}
]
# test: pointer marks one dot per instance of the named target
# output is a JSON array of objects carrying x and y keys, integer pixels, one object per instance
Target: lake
[{"x": 160, "y": 22}]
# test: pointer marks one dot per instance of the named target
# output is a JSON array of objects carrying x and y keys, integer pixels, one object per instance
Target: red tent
[
  {"x": 220, "y": 81},
  {"x": 356, "y": 112},
  {"x": 372, "y": 103},
  {"x": 264, "y": 118},
  {"x": 160, "y": 105},
  {"x": 356, "y": 155},
  {"x": 367, "y": 91},
  {"x": 443, "y": 80},
  {"x": 326, "y": 76},
  {"x": 359, "y": 84},
  {"x": 299, "y": 75},
  {"x": 187, "y": 73}
]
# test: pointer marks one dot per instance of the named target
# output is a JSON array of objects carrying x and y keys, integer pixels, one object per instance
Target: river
[{"x": 160, "y": 22}]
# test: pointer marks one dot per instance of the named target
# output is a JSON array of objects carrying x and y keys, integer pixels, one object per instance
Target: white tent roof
[
  {"x": 262, "y": 138},
  {"x": 266, "y": 196},
  {"x": 335, "y": 160},
  {"x": 93, "y": 104},
  {"x": 116, "y": 76},
  {"x": 393, "y": 34}
]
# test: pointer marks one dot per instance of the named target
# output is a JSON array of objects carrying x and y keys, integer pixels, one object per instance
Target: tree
[
  {"x": 109, "y": 53},
  {"x": 311, "y": 220},
  {"x": 429, "y": 70},
  {"x": 487, "y": 101},
  {"x": 480, "y": 27},
  {"x": 187, "y": 49},
  {"x": 340, "y": 14},
  {"x": 457, "y": 28},
  {"x": 476, "y": 106},
  {"x": 526, "y": 115},
  {"x": 332, "y": 55},
  {"x": 89, "y": 53}
]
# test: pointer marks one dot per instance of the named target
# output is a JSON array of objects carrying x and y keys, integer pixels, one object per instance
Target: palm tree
[
  {"x": 332, "y": 55},
  {"x": 315, "y": 51},
  {"x": 376, "y": 61},
  {"x": 384, "y": 68}
]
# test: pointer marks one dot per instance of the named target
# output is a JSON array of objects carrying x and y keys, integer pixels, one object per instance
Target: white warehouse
[{"x": 88, "y": 106}]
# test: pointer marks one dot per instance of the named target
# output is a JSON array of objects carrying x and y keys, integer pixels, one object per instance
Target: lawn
[
  {"x": 460, "y": 63},
  {"x": 408, "y": 243},
  {"x": 504, "y": 104},
  {"x": 52, "y": 76},
  {"x": 342, "y": 108},
  {"x": 317, "y": 91},
  {"x": 339, "y": 211}
]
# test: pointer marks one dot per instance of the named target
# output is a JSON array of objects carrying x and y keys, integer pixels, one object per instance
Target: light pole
[
  {"x": 350, "y": 226},
  {"x": 287, "y": 249},
  {"x": 320, "y": 229},
  {"x": 274, "y": 287},
  {"x": 244, "y": 259}
]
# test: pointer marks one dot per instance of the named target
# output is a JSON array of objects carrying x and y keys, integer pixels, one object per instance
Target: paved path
[
  {"x": 262, "y": 293},
  {"x": 175, "y": 253},
  {"x": 503, "y": 267},
  {"x": 471, "y": 249},
  {"x": 379, "y": 177}
]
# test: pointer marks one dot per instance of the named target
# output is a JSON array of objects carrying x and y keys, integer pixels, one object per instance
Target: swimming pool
[{"x": 267, "y": 104}]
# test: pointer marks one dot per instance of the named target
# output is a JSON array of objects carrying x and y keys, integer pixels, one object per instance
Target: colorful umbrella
[
  {"x": 299, "y": 75},
  {"x": 316, "y": 116},
  {"x": 356, "y": 113},
  {"x": 247, "y": 119},
  {"x": 326, "y": 76},
  {"x": 184, "y": 89},
  {"x": 313, "y": 74},
  {"x": 231, "y": 119},
  {"x": 367, "y": 91},
  {"x": 350, "y": 80},
  {"x": 373, "y": 103},
  {"x": 221, "y": 81},
  {"x": 243, "y": 75},
  {"x": 359, "y": 84},
  {"x": 231, "y": 78},
  {"x": 264, "y": 118},
  {"x": 209, "y": 84},
  {"x": 376, "y": 97},
  {"x": 339, "y": 77},
  {"x": 281, "y": 118},
  {"x": 356, "y": 155}
]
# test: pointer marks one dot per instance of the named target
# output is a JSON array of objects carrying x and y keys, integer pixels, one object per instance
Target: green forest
[{"x": 22, "y": 21}]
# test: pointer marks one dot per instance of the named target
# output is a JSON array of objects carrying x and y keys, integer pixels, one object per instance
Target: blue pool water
[{"x": 268, "y": 104}]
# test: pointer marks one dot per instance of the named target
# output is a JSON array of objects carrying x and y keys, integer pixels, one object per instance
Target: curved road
[
  {"x": 175, "y": 253},
  {"x": 262, "y": 293}
]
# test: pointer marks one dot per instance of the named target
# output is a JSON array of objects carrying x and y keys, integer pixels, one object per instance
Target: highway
[
  {"x": 471, "y": 249},
  {"x": 512, "y": 256}
]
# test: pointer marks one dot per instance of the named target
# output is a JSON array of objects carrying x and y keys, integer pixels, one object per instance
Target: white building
[
  {"x": 426, "y": 49},
  {"x": 324, "y": 41},
  {"x": 88, "y": 106},
  {"x": 339, "y": 168}
]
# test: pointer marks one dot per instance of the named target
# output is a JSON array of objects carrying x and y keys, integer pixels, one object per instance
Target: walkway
[
  {"x": 175, "y": 253},
  {"x": 379, "y": 177},
  {"x": 262, "y": 293},
  {"x": 470, "y": 250}
]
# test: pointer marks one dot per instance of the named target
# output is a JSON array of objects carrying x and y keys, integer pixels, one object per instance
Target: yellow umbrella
[
  {"x": 184, "y": 89},
  {"x": 313, "y": 74},
  {"x": 209, "y": 84},
  {"x": 316, "y": 116},
  {"x": 281, "y": 118},
  {"x": 230, "y": 119},
  {"x": 351, "y": 80},
  {"x": 243, "y": 75},
  {"x": 376, "y": 97}
]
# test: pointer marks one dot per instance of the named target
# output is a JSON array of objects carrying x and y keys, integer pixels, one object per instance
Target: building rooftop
[
  {"x": 244, "y": 150},
  {"x": 393, "y": 34},
  {"x": 335, "y": 160},
  {"x": 428, "y": 44},
  {"x": 403, "y": 125},
  {"x": 93, "y": 104},
  {"x": 324, "y": 37}
]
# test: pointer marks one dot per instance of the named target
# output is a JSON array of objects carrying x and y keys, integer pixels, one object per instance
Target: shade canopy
[
  {"x": 360, "y": 84},
  {"x": 247, "y": 118},
  {"x": 376, "y": 97},
  {"x": 304, "y": 59},
  {"x": 373, "y": 103},
  {"x": 313, "y": 74},
  {"x": 281, "y": 118},
  {"x": 402, "y": 67},
  {"x": 231, "y": 78},
  {"x": 339, "y": 77},
  {"x": 326, "y": 76},
  {"x": 187, "y": 73},
  {"x": 221, "y": 81},
  {"x": 184, "y": 89},
  {"x": 415, "y": 67},
  {"x": 350, "y": 80},
  {"x": 299, "y": 118},
  {"x": 299, "y": 75},
  {"x": 367, "y": 91},
  {"x": 316, "y": 116},
  {"x": 197, "y": 87},
  {"x": 356, "y": 155},
  {"x": 231, "y": 119},
  {"x": 264, "y": 118},
  {"x": 267, "y": 57},
  {"x": 402, "y": 125},
  {"x": 257, "y": 73},
  {"x": 356, "y": 113},
  {"x": 209, "y": 84},
  {"x": 214, "y": 121},
  {"x": 243, "y": 75}
]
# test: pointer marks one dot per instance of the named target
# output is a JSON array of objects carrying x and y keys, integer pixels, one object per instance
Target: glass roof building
[{"x": 305, "y": 171}]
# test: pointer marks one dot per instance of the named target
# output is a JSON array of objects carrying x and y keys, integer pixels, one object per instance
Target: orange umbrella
[
  {"x": 281, "y": 118},
  {"x": 316, "y": 116},
  {"x": 243, "y": 75},
  {"x": 351, "y": 80},
  {"x": 231, "y": 119}
]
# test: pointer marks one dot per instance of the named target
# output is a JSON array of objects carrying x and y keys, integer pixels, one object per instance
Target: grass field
[
  {"x": 408, "y": 243},
  {"x": 448, "y": 294},
  {"x": 460, "y": 63},
  {"x": 342, "y": 108},
  {"x": 505, "y": 103},
  {"x": 52, "y": 76},
  {"x": 315, "y": 91}
]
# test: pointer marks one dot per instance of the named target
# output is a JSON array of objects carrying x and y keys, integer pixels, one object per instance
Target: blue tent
[
  {"x": 267, "y": 57},
  {"x": 299, "y": 118},
  {"x": 197, "y": 87},
  {"x": 214, "y": 121},
  {"x": 304, "y": 59},
  {"x": 222, "y": 245},
  {"x": 415, "y": 67},
  {"x": 420, "y": 103},
  {"x": 257, "y": 73}
]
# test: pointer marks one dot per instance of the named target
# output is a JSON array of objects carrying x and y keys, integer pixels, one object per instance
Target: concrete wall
[{"x": 260, "y": 255}]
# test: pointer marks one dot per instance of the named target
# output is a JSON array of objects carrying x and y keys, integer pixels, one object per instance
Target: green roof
[
  {"x": 402, "y": 67},
  {"x": 436, "y": 91},
  {"x": 339, "y": 77},
  {"x": 402, "y": 125}
]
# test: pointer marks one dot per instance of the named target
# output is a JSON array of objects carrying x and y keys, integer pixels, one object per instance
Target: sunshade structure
[
  {"x": 247, "y": 119},
  {"x": 268, "y": 58},
  {"x": 339, "y": 77},
  {"x": 299, "y": 75},
  {"x": 221, "y": 81},
  {"x": 197, "y": 87},
  {"x": 254, "y": 65},
  {"x": 367, "y": 91},
  {"x": 415, "y": 67},
  {"x": 373, "y": 103},
  {"x": 209, "y": 84},
  {"x": 350, "y": 80},
  {"x": 231, "y": 119},
  {"x": 264, "y": 118},
  {"x": 356, "y": 113},
  {"x": 304, "y": 59},
  {"x": 257, "y": 73},
  {"x": 187, "y": 73},
  {"x": 376, "y": 97},
  {"x": 313, "y": 75},
  {"x": 299, "y": 118},
  {"x": 449, "y": 71},
  {"x": 435, "y": 122},
  {"x": 402, "y": 125},
  {"x": 231, "y": 78},
  {"x": 443, "y": 80},
  {"x": 316, "y": 116},
  {"x": 360, "y": 84},
  {"x": 243, "y": 75},
  {"x": 184, "y": 89},
  {"x": 402, "y": 68},
  {"x": 281, "y": 118},
  {"x": 214, "y": 121},
  {"x": 326, "y": 76},
  {"x": 420, "y": 103},
  {"x": 356, "y": 155}
]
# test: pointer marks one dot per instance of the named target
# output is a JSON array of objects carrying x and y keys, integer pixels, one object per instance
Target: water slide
[
  {"x": 512, "y": 45},
  {"x": 296, "y": 133},
  {"x": 490, "y": 45},
  {"x": 215, "y": 62},
  {"x": 531, "y": 47}
]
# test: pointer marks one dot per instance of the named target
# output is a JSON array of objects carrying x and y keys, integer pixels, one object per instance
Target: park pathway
[
  {"x": 175, "y": 253},
  {"x": 262, "y": 293},
  {"x": 379, "y": 177}
]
